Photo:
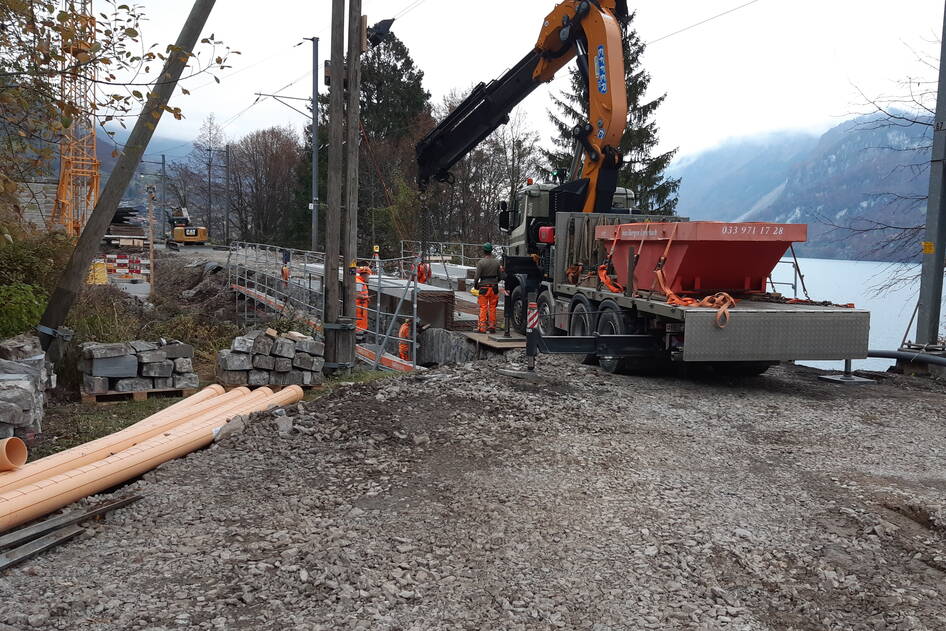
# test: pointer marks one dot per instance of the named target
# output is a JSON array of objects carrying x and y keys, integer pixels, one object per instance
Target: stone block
[
  {"x": 21, "y": 397},
  {"x": 158, "y": 369},
  {"x": 258, "y": 378},
  {"x": 6, "y": 431},
  {"x": 311, "y": 378},
  {"x": 163, "y": 383},
  {"x": 264, "y": 362},
  {"x": 152, "y": 357},
  {"x": 310, "y": 346},
  {"x": 175, "y": 350},
  {"x": 228, "y": 360},
  {"x": 11, "y": 414},
  {"x": 21, "y": 346},
  {"x": 303, "y": 361},
  {"x": 280, "y": 378},
  {"x": 123, "y": 366},
  {"x": 183, "y": 365},
  {"x": 284, "y": 347},
  {"x": 103, "y": 351},
  {"x": 140, "y": 346},
  {"x": 189, "y": 381},
  {"x": 233, "y": 377},
  {"x": 282, "y": 364},
  {"x": 242, "y": 345},
  {"x": 263, "y": 344},
  {"x": 294, "y": 377},
  {"x": 137, "y": 384},
  {"x": 18, "y": 370},
  {"x": 318, "y": 363},
  {"x": 94, "y": 385}
]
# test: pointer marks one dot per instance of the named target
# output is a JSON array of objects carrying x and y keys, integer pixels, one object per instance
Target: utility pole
[
  {"x": 226, "y": 208},
  {"x": 150, "y": 191},
  {"x": 75, "y": 271},
  {"x": 934, "y": 245},
  {"x": 164, "y": 195},
  {"x": 353, "y": 121},
  {"x": 335, "y": 167},
  {"x": 210, "y": 205},
  {"x": 315, "y": 144}
]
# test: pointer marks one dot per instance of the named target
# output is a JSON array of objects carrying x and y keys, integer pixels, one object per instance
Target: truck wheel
[
  {"x": 582, "y": 323},
  {"x": 611, "y": 322},
  {"x": 546, "y": 303},
  {"x": 515, "y": 318}
]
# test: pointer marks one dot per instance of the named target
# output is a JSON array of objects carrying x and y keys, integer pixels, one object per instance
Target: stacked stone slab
[
  {"x": 266, "y": 358},
  {"x": 137, "y": 366},
  {"x": 25, "y": 375}
]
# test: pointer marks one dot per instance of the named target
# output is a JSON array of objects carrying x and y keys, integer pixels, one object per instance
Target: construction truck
[
  {"x": 183, "y": 232},
  {"x": 586, "y": 273}
]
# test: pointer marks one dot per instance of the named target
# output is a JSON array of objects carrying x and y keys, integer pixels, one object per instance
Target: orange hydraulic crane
[{"x": 78, "y": 190}]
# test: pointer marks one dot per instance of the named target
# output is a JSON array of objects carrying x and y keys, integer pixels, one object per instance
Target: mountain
[{"x": 857, "y": 175}]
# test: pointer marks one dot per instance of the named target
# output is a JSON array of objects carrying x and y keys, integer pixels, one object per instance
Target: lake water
[{"x": 858, "y": 282}]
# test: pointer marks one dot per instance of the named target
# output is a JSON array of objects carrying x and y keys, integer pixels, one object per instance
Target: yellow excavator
[{"x": 182, "y": 230}]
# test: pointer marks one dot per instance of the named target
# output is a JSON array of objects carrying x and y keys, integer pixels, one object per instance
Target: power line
[{"x": 701, "y": 23}]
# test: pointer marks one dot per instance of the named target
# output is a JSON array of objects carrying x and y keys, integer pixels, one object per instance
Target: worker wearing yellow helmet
[{"x": 486, "y": 281}]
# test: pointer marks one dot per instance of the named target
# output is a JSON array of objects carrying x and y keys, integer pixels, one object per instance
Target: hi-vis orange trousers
[{"x": 489, "y": 298}]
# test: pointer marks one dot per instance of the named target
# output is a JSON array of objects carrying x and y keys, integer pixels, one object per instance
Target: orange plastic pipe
[
  {"x": 13, "y": 453},
  {"x": 123, "y": 439},
  {"x": 36, "y": 500}
]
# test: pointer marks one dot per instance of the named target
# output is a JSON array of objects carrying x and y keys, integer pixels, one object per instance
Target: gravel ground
[{"x": 461, "y": 499}]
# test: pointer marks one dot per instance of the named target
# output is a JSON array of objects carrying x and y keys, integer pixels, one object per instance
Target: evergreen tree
[{"x": 643, "y": 173}]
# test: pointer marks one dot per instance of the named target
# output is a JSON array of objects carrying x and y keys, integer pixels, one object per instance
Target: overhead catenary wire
[{"x": 702, "y": 22}]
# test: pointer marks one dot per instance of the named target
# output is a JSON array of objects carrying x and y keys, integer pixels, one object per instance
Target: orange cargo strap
[{"x": 606, "y": 280}]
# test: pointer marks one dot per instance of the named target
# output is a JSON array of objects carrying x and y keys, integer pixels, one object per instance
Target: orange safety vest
[{"x": 404, "y": 348}]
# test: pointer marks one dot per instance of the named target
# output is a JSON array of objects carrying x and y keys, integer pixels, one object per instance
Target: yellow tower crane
[{"x": 78, "y": 190}]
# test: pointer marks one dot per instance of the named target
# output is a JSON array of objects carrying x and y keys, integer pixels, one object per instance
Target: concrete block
[
  {"x": 103, "y": 351},
  {"x": 183, "y": 365},
  {"x": 310, "y": 346},
  {"x": 258, "y": 378},
  {"x": 189, "y": 381},
  {"x": 282, "y": 364},
  {"x": 163, "y": 383},
  {"x": 264, "y": 362},
  {"x": 303, "y": 361},
  {"x": 140, "y": 346},
  {"x": 11, "y": 414},
  {"x": 152, "y": 357},
  {"x": 136, "y": 384},
  {"x": 263, "y": 344},
  {"x": 284, "y": 347},
  {"x": 242, "y": 345},
  {"x": 158, "y": 369},
  {"x": 94, "y": 385},
  {"x": 228, "y": 360},
  {"x": 123, "y": 366},
  {"x": 175, "y": 350},
  {"x": 233, "y": 377}
]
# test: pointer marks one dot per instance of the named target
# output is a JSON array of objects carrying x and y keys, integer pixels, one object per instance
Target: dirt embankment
[{"x": 460, "y": 499}]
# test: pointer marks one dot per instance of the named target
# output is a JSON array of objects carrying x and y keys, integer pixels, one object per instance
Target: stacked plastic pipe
[{"x": 28, "y": 491}]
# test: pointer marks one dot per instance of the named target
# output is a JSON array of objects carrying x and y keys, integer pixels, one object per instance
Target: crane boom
[{"x": 589, "y": 30}]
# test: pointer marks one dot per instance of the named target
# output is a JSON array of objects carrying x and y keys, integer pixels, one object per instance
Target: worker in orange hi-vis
[
  {"x": 404, "y": 346},
  {"x": 361, "y": 298},
  {"x": 486, "y": 281}
]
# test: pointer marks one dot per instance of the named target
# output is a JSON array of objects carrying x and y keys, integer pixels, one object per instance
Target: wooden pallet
[{"x": 119, "y": 397}]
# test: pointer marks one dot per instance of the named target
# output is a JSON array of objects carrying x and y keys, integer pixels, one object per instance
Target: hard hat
[
  {"x": 364, "y": 269},
  {"x": 487, "y": 247}
]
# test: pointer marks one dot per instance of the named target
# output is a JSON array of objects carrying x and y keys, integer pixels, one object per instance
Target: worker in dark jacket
[{"x": 486, "y": 281}]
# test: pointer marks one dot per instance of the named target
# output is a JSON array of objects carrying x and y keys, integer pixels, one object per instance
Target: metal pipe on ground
[
  {"x": 36, "y": 500},
  {"x": 906, "y": 356},
  {"x": 105, "y": 446}
]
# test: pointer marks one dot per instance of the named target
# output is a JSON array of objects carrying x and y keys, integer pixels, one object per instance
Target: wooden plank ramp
[{"x": 496, "y": 340}]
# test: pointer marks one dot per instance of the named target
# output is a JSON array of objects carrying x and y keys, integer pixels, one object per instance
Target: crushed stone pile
[{"x": 461, "y": 499}]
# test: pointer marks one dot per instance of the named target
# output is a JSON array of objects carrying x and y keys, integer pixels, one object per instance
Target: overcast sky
[{"x": 772, "y": 65}]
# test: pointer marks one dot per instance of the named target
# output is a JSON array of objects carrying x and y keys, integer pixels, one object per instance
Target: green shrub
[
  {"x": 35, "y": 259},
  {"x": 103, "y": 313},
  {"x": 22, "y": 307}
]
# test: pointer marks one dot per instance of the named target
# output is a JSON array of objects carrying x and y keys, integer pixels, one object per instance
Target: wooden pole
[
  {"x": 151, "y": 241},
  {"x": 74, "y": 274},
  {"x": 346, "y": 352},
  {"x": 334, "y": 198}
]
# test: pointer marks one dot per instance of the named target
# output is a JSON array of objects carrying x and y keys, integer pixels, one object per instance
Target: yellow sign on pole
[{"x": 928, "y": 247}]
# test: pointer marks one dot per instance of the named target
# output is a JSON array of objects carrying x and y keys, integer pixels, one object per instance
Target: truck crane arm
[{"x": 587, "y": 29}]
